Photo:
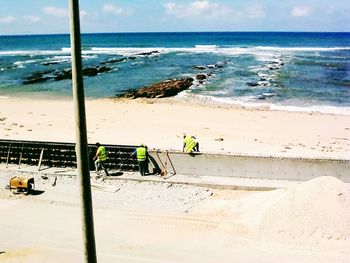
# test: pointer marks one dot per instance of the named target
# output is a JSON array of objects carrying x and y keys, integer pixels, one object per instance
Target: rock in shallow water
[{"x": 163, "y": 89}]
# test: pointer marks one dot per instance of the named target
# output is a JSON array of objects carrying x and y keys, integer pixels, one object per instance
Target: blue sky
[{"x": 51, "y": 16}]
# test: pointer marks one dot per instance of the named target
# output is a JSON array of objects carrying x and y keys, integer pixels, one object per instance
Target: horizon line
[{"x": 176, "y": 32}]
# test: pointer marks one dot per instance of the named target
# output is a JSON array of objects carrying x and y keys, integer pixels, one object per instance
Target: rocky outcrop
[
  {"x": 37, "y": 77},
  {"x": 201, "y": 77},
  {"x": 114, "y": 60},
  {"x": 163, "y": 89},
  {"x": 64, "y": 74}
]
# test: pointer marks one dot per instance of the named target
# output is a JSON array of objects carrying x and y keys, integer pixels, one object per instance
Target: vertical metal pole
[
  {"x": 20, "y": 157},
  {"x": 81, "y": 137},
  {"x": 8, "y": 155},
  {"x": 41, "y": 158}
]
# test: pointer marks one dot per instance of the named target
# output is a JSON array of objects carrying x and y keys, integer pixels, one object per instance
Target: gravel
[{"x": 155, "y": 197}]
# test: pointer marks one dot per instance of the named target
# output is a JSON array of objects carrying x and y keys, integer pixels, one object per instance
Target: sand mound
[{"x": 319, "y": 208}]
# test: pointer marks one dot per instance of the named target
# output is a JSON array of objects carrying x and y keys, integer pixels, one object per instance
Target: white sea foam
[
  {"x": 206, "y": 47},
  {"x": 66, "y": 49},
  {"x": 251, "y": 102},
  {"x": 319, "y": 108},
  {"x": 309, "y": 49},
  {"x": 122, "y": 51},
  {"x": 260, "y": 51},
  {"x": 30, "y": 52}
]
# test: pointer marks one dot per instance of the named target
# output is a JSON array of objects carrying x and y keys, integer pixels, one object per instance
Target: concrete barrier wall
[
  {"x": 63, "y": 155},
  {"x": 251, "y": 166}
]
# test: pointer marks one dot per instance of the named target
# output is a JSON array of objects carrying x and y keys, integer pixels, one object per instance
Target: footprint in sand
[
  {"x": 2, "y": 119},
  {"x": 29, "y": 130}
]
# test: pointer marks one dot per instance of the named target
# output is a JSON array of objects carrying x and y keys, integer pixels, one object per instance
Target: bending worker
[
  {"x": 100, "y": 158},
  {"x": 190, "y": 144},
  {"x": 142, "y": 158}
]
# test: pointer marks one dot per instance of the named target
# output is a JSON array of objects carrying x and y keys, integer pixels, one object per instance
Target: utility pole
[{"x": 81, "y": 137}]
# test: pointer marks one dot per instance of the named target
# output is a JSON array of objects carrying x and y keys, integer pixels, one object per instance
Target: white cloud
[
  {"x": 55, "y": 11},
  {"x": 255, "y": 11},
  {"x": 200, "y": 8},
  {"x": 32, "y": 19},
  {"x": 7, "y": 20},
  {"x": 300, "y": 11},
  {"x": 115, "y": 10},
  {"x": 83, "y": 13}
]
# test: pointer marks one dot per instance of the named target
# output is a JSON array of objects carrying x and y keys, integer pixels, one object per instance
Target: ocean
[{"x": 288, "y": 71}]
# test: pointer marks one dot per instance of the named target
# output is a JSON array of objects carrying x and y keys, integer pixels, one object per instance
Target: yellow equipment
[{"x": 21, "y": 184}]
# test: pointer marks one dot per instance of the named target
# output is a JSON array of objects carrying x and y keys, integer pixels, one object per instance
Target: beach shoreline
[{"x": 161, "y": 123}]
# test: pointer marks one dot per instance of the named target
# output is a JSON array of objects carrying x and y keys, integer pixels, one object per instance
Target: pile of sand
[{"x": 317, "y": 209}]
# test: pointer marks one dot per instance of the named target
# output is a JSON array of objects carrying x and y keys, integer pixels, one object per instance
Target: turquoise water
[{"x": 290, "y": 70}]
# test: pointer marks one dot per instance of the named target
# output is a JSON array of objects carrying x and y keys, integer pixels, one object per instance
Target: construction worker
[
  {"x": 142, "y": 158},
  {"x": 190, "y": 144},
  {"x": 100, "y": 158}
]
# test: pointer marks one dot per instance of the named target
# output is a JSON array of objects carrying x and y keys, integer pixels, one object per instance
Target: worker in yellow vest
[
  {"x": 100, "y": 158},
  {"x": 190, "y": 144},
  {"x": 142, "y": 158}
]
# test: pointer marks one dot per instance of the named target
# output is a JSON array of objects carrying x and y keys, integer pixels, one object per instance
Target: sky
[{"x": 52, "y": 16}]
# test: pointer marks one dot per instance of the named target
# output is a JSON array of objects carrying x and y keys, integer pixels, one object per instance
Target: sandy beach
[
  {"x": 162, "y": 222},
  {"x": 161, "y": 123}
]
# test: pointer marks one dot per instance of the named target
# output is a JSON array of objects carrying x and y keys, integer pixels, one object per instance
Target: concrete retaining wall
[
  {"x": 53, "y": 154},
  {"x": 251, "y": 166}
]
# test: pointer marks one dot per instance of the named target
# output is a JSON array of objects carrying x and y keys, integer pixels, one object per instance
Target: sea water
[{"x": 291, "y": 71}]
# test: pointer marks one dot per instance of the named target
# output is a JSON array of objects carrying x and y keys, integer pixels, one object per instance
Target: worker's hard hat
[{"x": 142, "y": 145}]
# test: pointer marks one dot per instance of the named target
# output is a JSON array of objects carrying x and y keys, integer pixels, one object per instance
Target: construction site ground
[{"x": 171, "y": 218}]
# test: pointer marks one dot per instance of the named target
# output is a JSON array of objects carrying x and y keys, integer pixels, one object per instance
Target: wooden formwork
[{"x": 52, "y": 154}]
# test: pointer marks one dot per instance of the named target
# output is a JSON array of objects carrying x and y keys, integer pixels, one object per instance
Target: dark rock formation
[
  {"x": 37, "y": 77},
  {"x": 160, "y": 90},
  {"x": 147, "y": 53},
  {"x": 50, "y": 63},
  {"x": 200, "y": 67},
  {"x": 65, "y": 74},
  {"x": 252, "y": 84},
  {"x": 90, "y": 72},
  {"x": 103, "y": 69},
  {"x": 94, "y": 71},
  {"x": 201, "y": 77},
  {"x": 114, "y": 60}
]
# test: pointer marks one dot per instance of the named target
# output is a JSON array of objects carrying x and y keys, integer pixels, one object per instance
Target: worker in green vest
[
  {"x": 100, "y": 158},
  {"x": 142, "y": 158},
  {"x": 190, "y": 144}
]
